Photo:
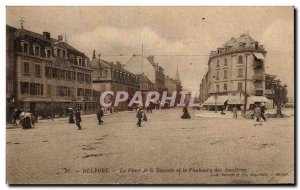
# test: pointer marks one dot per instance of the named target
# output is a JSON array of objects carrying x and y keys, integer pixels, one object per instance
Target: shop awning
[
  {"x": 212, "y": 100},
  {"x": 254, "y": 99},
  {"x": 236, "y": 99},
  {"x": 259, "y": 56},
  {"x": 45, "y": 99}
]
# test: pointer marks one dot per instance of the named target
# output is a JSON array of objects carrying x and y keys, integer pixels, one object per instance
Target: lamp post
[
  {"x": 216, "y": 96},
  {"x": 245, "y": 98}
]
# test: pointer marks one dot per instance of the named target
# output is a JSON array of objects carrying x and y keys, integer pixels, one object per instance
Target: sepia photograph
[{"x": 150, "y": 95}]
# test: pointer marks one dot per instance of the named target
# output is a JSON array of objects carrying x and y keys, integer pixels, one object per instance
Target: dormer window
[
  {"x": 36, "y": 50},
  {"x": 25, "y": 47},
  {"x": 58, "y": 52},
  {"x": 63, "y": 53},
  {"x": 48, "y": 52},
  {"x": 79, "y": 61},
  {"x": 84, "y": 63}
]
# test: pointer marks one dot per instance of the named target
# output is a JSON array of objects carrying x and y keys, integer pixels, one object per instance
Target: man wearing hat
[
  {"x": 78, "y": 118},
  {"x": 139, "y": 116}
]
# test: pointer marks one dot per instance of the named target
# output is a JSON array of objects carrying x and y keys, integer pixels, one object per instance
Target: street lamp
[
  {"x": 245, "y": 98},
  {"x": 216, "y": 96}
]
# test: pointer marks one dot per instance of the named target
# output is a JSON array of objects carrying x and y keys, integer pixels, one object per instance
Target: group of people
[
  {"x": 140, "y": 114},
  {"x": 26, "y": 119},
  {"x": 77, "y": 117},
  {"x": 258, "y": 111}
]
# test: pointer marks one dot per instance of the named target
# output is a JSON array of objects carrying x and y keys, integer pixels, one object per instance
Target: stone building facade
[
  {"x": 49, "y": 75},
  {"x": 109, "y": 76},
  {"x": 238, "y": 63}
]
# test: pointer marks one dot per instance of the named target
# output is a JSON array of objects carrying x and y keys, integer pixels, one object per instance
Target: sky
[{"x": 176, "y": 36}]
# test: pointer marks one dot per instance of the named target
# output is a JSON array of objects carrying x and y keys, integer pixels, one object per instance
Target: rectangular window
[
  {"x": 37, "y": 70},
  {"x": 48, "y": 53},
  {"x": 64, "y": 54},
  {"x": 36, "y": 50},
  {"x": 225, "y": 87},
  {"x": 240, "y": 61},
  {"x": 83, "y": 63},
  {"x": 218, "y": 77},
  {"x": 61, "y": 74},
  {"x": 225, "y": 62},
  {"x": 217, "y": 88},
  {"x": 42, "y": 89},
  {"x": 225, "y": 74},
  {"x": 26, "y": 68},
  {"x": 48, "y": 72},
  {"x": 32, "y": 89},
  {"x": 58, "y": 52},
  {"x": 218, "y": 64},
  {"x": 37, "y": 89},
  {"x": 54, "y": 72},
  {"x": 49, "y": 90},
  {"x": 26, "y": 48},
  {"x": 240, "y": 72},
  {"x": 24, "y": 87},
  {"x": 240, "y": 86}
]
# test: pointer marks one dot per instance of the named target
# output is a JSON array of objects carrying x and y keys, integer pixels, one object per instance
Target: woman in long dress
[{"x": 186, "y": 114}]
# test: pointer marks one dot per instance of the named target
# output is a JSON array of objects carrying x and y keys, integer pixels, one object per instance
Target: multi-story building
[
  {"x": 235, "y": 69},
  {"x": 174, "y": 85},
  {"x": 142, "y": 65},
  {"x": 109, "y": 76},
  {"x": 49, "y": 75}
]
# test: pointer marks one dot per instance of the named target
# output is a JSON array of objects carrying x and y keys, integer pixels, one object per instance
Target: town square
[{"x": 150, "y": 95}]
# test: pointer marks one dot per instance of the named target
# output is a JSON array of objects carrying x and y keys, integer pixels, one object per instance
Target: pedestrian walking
[
  {"x": 257, "y": 115},
  {"x": 78, "y": 118},
  {"x": 26, "y": 119},
  {"x": 139, "y": 116},
  {"x": 71, "y": 115},
  {"x": 242, "y": 110},
  {"x": 263, "y": 109},
  {"x": 186, "y": 114},
  {"x": 234, "y": 110},
  {"x": 100, "y": 113},
  {"x": 144, "y": 117}
]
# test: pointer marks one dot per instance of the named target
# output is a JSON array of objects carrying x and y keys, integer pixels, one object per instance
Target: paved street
[{"x": 166, "y": 149}]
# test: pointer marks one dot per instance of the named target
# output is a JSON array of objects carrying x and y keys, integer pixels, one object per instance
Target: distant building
[
  {"x": 227, "y": 71},
  {"x": 174, "y": 85},
  {"x": 109, "y": 76},
  {"x": 47, "y": 75},
  {"x": 142, "y": 65}
]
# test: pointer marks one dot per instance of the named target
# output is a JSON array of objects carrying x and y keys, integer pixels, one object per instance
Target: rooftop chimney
[
  {"x": 46, "y": 35},
  {"x": 94, "y": 54},
  {"x": 60, "y": 37}
]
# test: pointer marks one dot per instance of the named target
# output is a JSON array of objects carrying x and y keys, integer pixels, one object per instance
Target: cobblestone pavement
[{"x": 166, "y": 149}]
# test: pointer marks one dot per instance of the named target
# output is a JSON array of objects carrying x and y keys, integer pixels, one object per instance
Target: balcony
[
  {"x": 258, "y": 64},
  {"x": 258, "y": 92},
  {"x": 258, "y": 77}
]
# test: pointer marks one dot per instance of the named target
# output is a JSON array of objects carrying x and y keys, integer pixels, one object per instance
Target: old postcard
[{"x": 150, "y": 95}]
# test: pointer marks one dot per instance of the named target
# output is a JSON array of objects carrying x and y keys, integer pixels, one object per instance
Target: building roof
[
  {"x": 144, "y": 79},
  {"x": 23, "y": 32},
  {"x": 114, "y": 66},
  {"x": 140, "y": 61},
  {"x": 235, "y": 42}
]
